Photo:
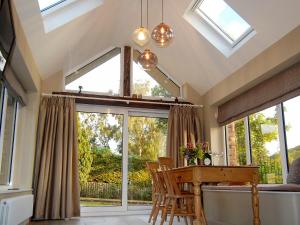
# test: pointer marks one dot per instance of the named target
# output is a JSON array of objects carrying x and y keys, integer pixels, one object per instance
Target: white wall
[{"x": 25, "y": 143}]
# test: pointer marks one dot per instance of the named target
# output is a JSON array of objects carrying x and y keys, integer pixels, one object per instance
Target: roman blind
[
  {"x": 280, "y": 87},
  {"x": 14, "y": 86}
]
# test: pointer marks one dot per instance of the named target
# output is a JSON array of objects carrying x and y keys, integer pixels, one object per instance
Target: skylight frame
[
  {"x": 52, "y": 5},
  {"x": 196, "y": 9}
]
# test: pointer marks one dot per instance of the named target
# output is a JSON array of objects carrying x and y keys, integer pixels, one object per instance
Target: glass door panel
[
  {"x": 265, "y": 145},
  {"x": 146, "y": 142},
  {"x": 100, "y": 138}
]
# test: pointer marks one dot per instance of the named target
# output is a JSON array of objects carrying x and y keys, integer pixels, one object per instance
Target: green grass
[{"x": 98, "y": 204}]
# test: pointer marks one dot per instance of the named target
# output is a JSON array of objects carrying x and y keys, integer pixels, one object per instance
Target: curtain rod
[{"x": 121, "y": 100}]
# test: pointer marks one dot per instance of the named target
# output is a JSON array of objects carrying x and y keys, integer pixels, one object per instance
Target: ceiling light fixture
[
  {"x": 148, "y": 60},
  {"x": 162, "y": 34},
  {"x": 141, "y": 35}
]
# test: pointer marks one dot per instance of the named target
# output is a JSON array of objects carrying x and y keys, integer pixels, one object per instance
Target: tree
[
  {"x": 259, "y": 137},
  {"x": 84, "y": 152},
  {"x": 146, "y": 137},
  {"x": 159, "y": 90}
]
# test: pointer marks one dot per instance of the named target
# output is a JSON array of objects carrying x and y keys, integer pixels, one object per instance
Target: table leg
[
  {"x": 255, "y": 204},
  {"x": 199, "y": 214}
]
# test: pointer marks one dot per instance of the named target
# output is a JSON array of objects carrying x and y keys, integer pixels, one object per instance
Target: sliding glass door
[
  {"x": 100, "y": 158},
  {"x": 114, "y": 144},
  {"x": 146, "y": 142}
]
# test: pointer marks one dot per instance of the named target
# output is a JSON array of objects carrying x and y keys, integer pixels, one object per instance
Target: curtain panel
[
  {"x": 281, "y": 87},
  {"x": 56, "y": 179},
  {"x": 184, "y": 127}
]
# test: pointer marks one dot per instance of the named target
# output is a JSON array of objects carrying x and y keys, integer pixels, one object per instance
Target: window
[
  {"x": 236, "y": 143},
  {"x": 99, "y": 76},
  {"x": 153, "y": 83},
  {"x": 224, "y": 20},
  {"x": 145, "y": 85},
  {"x": 8, "y": 122},
  {"x": 47, "y": 4},
  {"x": 292, "y": 127},
  {"x": 265, "y": 145}
]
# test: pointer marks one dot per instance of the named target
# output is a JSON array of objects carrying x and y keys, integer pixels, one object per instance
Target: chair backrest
[
  {"x": 169, "y": 180},
  {"x": 166, "y": 161},
  {"x": 157, "y": 182}
]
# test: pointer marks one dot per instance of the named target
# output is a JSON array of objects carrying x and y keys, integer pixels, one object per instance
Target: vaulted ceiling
[{"x": 190, "y": 58}]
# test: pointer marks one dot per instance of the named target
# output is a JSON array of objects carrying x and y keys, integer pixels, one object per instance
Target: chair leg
[
  {"x": 156, "y": 211},
  {"x": 172, "y": 211},
  {"x": 164, "y": 211},
  {"x": 204, "y": 221},
  {"x": 191, "y": 220},
  {"x": 153, "y": 208},
  {"x": 185, "y": 221}
]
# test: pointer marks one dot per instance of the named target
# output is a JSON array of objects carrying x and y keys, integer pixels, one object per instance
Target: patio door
[{"x": 114, "y": 144}]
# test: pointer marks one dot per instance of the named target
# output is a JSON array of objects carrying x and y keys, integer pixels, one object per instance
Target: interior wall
[
  {"x": 27, "y": 119},
  {"x": 191, "y": 95},
  {"x": 280, "y": 55},
  {"x": 56, "y": 82},
  {"x": 25, "y": 142}
]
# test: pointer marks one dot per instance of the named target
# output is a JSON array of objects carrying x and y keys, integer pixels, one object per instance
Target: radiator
[{"x": 16, "y": 210}]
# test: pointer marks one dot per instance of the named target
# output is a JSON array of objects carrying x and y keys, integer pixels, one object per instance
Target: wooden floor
[{"x": 116, "y": 220}]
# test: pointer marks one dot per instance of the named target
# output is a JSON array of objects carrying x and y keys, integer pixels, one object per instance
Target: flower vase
[
  {"x": 191, "y": 162},
  {"x": 200, "y": 162}
]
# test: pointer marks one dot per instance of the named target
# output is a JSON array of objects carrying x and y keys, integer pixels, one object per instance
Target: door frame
[{"x": 124, "y": 209}]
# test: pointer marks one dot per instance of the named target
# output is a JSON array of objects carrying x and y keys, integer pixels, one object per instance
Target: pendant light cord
[
  {"x": 162, "y": 11},
  {"x": 141, "y": 13},
  {"x": 147, "y": 14}
]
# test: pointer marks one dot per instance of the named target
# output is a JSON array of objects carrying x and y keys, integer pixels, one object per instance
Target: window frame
[
  {"x": 5, "y": 96},
  {"x": 282, "y": 138},
  {"x": 217, "y": 28},
  {"x": 52, "y": 5}
]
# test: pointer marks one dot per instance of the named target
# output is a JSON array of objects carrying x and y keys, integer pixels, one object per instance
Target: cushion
[{"x": 294, "y": 174}]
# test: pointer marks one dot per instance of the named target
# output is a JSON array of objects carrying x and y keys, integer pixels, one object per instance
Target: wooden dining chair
[
  {"x": 153, "y": 168},
  {"x": 166, "y": 161},
  {"x": 181, "y": 204}
]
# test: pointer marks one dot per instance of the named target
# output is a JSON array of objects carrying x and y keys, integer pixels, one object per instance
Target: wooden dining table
[{"x": 197, "y": 175}]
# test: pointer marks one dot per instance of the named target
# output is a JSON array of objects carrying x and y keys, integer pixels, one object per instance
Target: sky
[
  {"x": 225, "y": 17},
  {"x": 106, "y": 78}
]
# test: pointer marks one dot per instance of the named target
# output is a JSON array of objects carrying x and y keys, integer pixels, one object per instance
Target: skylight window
[
  {"x": 47, "y": 4},
  {"x": 224, "y": 20}
]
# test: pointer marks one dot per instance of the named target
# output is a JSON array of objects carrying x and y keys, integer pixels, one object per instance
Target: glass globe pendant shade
[
  {"x": 141, "y": 36},
  {"x": 162, "y": 34},
  {"x": 148, "y": 60}
]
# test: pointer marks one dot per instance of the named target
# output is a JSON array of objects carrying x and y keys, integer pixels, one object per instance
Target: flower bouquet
[{"x": 192, "y": 153}]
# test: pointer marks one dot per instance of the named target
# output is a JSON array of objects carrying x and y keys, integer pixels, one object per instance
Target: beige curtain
[
  {"x": 56, "y": 179},
  {"x": 183, "y": 127}
]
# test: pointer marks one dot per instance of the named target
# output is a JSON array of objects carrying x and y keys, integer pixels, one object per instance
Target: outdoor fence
[{"x": 137, "y": 192}]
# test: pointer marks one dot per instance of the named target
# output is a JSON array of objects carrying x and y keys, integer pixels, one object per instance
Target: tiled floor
[{"x": 116, "y": 220}]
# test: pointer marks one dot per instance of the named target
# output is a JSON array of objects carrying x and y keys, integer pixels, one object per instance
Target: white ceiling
[{"x": 190, "y": 58}]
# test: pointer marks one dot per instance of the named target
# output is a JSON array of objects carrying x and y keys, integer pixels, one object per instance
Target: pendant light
[
  {"x": 162, "y": 34},
  {"x": 148, "y": 60},
  {"x": 141, "y": 35}
]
